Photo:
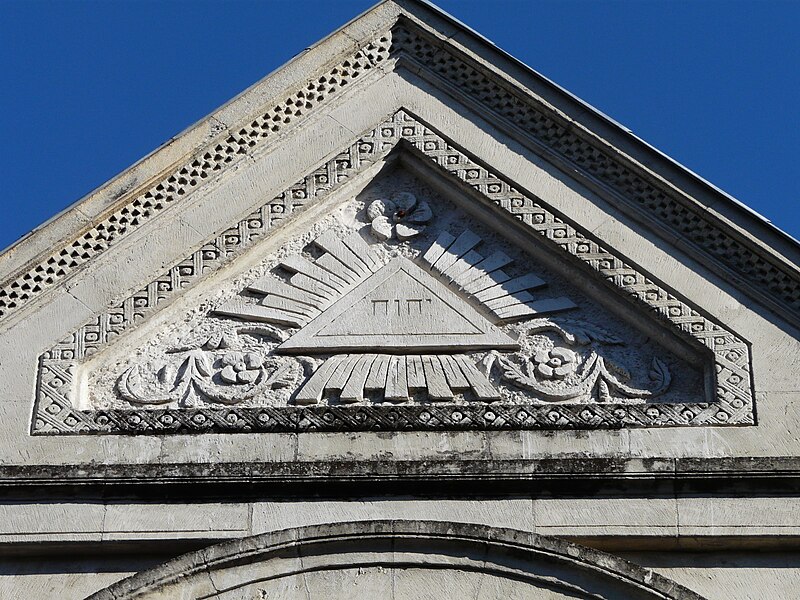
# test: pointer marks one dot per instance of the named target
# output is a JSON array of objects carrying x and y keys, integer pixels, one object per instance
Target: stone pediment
[
  {"x": 404, "y": 275},
  {"x": 402, "y": 281},
  {"x": 513, "y": 345}
]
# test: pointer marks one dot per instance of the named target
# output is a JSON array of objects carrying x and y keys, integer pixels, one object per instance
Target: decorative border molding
[
  {"x": 589, "y": 155},
  {"x": 242, "y": 140},
  {"x": 483, "y": 478},
  {"x": 750, "y": 266},
  {"x": 733, "y": 404}
]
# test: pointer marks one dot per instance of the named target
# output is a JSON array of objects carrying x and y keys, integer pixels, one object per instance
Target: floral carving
[
  {"x": 204, "y": 375},
  {"x": 241, "y": 368},
  {"x": 555, "y": 363},
  {"x": 562, "y": 374},
  {"x": 403, "y": 217}
]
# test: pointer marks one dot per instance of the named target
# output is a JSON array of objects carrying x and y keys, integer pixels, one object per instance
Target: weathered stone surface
[
  {"x": 399, "y": 560},
  {"x": 598, "y": 318},
  {"x": 362, "y": 297},
  {"x": 746, "y": 575}
]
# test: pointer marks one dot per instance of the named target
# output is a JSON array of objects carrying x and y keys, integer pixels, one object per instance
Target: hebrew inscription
[{"x": 399, "y": 308}]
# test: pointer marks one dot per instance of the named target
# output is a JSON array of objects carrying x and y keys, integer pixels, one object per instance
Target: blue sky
[{"x": 90, "y": 87}]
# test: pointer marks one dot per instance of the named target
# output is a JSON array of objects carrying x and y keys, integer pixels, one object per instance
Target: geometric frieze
[{"x": 407, "y": 314}]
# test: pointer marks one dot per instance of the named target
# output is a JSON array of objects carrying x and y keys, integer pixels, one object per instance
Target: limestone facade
[{"x": 402, "y": 320}]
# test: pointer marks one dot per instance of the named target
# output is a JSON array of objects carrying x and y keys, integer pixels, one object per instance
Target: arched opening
[{"x": 399, "y": 560}]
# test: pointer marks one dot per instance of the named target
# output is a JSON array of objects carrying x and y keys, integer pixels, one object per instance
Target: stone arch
[{"x": 398, "y": 560}]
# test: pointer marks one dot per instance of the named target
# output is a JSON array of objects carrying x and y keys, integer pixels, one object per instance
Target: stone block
[
  {"x": 433, "y": 584},
  {"x": 130, "y": 521},
  {"x": 220, "y": 448},
  {"x": 717, "y": 516},
  {"x": 51, "y": 522},
  {"x": 509, "y": 513},
  {"x": 605, "y": 516}
]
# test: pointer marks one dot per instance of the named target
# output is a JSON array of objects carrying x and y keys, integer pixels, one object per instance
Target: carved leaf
[
  {"x": 404, "y": 201},
  {"x": 573, "y": 332},
  {"x": 267, "y": 331},
  {"x": 511, "y": 371},
  {"x": 382, "y": 228},
  {"x": 129, "y": 387},
  {"x": 380, "y": 208},
  {"x": 659, "y": 373},
  {"x": 406, "y": 231},
  {"x": 622, "y": 372},
  {"x": 127, "y": 384},
  {"x": 167, "y": 374},
  {"x": 487, "y": 362},
  {"x": 287, "y": 377},
  {"x": 202, "y": 364},
  {"x": 604, "y": 394},
  {"x": 422, "y": 214}
]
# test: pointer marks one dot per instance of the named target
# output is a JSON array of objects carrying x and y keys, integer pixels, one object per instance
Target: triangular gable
[
  {"x": 755, "y": 256},
  {"x": 731, "y": 402}
]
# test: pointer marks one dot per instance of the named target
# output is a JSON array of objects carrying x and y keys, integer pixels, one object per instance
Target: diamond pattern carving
[{"x": 585, "y": 154}]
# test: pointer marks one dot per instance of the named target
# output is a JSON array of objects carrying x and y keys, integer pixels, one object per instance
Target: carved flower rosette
[
  {"x": 564, "y": 361},
  {"x": 214, "y": 370},
  {"x": 376, "y": 315},
  {"x": 402, "y": 218}
]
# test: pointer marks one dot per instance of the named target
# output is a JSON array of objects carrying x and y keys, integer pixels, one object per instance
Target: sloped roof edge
[
  {"x": 66, "y": 223},
  {"x": 737, "y": 204},
  {"x": 83, "y": 215}
]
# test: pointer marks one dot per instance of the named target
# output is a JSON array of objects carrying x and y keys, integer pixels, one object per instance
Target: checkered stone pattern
[
  {"x": 763, "y": 273},
  {"x": 242, "y": 140},
  {"x": 732, "y": 405},
  {"x": 732, "y": 357},
  {"x": 55, "y": 410},
  {"x": 231, "y": 144},
  {"x": 293, "y": 419}
]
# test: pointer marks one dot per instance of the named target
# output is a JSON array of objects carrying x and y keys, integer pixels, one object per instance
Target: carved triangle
[{"x": 403, "y": 308}]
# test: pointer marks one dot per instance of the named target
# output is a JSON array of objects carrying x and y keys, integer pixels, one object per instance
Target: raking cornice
[{"x": 555, "y": 122}]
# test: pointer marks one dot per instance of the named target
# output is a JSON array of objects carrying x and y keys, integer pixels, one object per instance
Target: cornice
[
  {"x": 621, "y": 173},
  {"x": 485, "y": 478},
  {"x": 373, "y": 43}
]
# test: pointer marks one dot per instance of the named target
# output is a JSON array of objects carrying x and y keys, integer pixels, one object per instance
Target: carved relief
[
  {"x": 399, "y": 307},
  {"x": 383, "y": 321},
  {"x": 209, "y": 373},
  {"x": 300, "y": 360},
  {"x": 573, "y": 367},
  {"x": 402, "y": 217},
  {"x": 403, "y": 330}
]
